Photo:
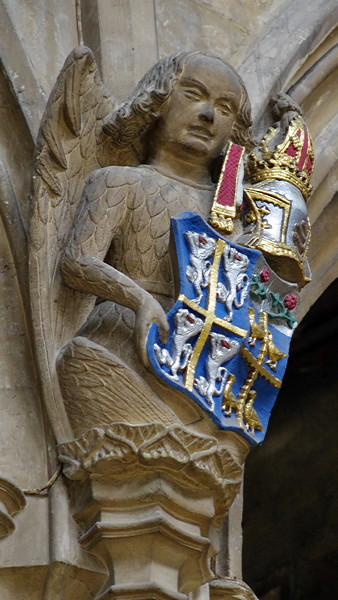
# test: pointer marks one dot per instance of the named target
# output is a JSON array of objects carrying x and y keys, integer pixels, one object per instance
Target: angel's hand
[
  {"x": 283, "y": 103},
  {"x": 284, "y": 109},
  {"x": 149, "y": 312}
]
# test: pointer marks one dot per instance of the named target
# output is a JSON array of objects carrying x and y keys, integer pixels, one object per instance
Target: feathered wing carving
[{"x": 70, "y": 145}]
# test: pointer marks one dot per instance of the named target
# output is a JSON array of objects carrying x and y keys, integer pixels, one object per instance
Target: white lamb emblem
[
  {"x": 186, "y": 326},
  {"x": 222, "y": 350},
  {"x": 201, "y": 248},
  {"x": 235, "y": 265}
]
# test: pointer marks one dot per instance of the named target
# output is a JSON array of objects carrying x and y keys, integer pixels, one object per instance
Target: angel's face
[{"x": 197, "y": 118}]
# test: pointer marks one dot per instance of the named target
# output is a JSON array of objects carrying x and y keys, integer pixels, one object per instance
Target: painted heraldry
[{"x": 166, "y": 249}]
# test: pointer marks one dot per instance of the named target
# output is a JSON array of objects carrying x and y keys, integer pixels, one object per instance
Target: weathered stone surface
[
  {"x": 23, "y": 455},
  {"x": 28, "y": 29},
  {"x": 215, "y": 26},
  {"x": 127, "y": 42}
]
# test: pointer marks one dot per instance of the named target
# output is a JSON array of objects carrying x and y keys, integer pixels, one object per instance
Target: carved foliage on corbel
[{"x": 196, "y": 461}]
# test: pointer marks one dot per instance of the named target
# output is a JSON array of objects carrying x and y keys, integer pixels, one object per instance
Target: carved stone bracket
[
  {"x": 12, "y": 502},
  {"x": 228, "y": 588},
  {"x": 201, "y": 460},
  {"x": 149, "y": 500}
]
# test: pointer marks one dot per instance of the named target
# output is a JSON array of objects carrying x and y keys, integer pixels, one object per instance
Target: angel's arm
[{"x": 103, "y": 207}]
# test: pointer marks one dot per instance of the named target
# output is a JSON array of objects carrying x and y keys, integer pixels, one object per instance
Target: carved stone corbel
[
  {"x": 12, "y": 502},
  {"x": 228, "y": 588},
  {"x": 149, "y": 504}
]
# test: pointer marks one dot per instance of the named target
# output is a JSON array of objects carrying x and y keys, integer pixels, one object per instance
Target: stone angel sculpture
[
  {"x": 108, "y": 181},
  {"x": 103, "y": 231}
]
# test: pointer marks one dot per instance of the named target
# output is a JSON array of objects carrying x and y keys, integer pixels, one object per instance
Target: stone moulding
[
  {"x": 146, "y": 592},
  {"x": 123, "y": 450},
  {"x": 12, "y": 502}
]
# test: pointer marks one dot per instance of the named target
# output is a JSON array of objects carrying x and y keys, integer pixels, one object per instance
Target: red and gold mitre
[{"x": 292, "y": 160}]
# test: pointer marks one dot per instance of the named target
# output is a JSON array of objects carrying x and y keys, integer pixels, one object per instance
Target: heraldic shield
[{"x": 230, "y": 329}]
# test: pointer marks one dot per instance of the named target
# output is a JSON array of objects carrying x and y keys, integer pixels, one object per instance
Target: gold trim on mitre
[
  {"x": 291, "y": 266},
  {"x": 295, "y": 264},
  {"x": 275, "y": 199},
  {"x": 292, "y": 160}
]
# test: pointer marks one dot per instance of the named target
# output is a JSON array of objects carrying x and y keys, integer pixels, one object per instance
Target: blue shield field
[{"x": 230, "y": 329}]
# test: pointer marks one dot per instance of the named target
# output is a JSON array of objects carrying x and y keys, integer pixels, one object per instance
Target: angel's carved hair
[{"x": 129, "y": 123}]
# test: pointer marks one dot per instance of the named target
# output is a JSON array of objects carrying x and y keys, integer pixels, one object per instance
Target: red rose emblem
[
  {"x": 290, "y": 301},
  {"x": 265, "y": 275}
]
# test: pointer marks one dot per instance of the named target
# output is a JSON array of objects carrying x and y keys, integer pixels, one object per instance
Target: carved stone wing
[{"x": 70, "y": 145}]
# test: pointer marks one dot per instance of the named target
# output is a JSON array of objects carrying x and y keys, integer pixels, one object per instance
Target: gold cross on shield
[{"x": 209, "y": 314}]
